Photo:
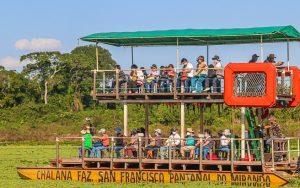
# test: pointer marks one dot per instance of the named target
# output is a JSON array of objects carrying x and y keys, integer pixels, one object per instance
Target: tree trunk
[{"x": 46, "y": 92}]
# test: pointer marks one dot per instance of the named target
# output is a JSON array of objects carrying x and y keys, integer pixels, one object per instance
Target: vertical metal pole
[
  {"x": 231, "y": 155},
  {"x": 111, "y": 153},
  {"x": 182, "y": 119},
  {"x": 170, "y": 154},
  {"x": 131, "y": 55},
  {"x": 82, "y": 152},
  {"x": 117, "y": 84},
  {"x": 94, "y": 85},
  {"x": 289, "y": 151},
  {"x": 288, "y": 53},
  {"x": 262, "y": 154},
  {"x": 207, "y": 53},
  {"x": 97, "y": 57},
  {"x": 202, "y": 119},
  {"x": 272, "y": 147},
  {"x": 177, "y": 54},
  {"x": 146, "y": 123},
  {"x": 103, "y": 82},
  {"x": 243, "y": 133},
  {"x": 261, "y": 49},
  {"x": 125, "y": 119},
  {"x": 140, "y": 153},
  {"x": 200, "y": 154},
  {"x": 57, "y": 152}
]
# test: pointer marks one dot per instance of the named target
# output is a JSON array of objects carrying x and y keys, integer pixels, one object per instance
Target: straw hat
[
  {"x": 158, "y": 131},
  {"x": 190, "y": 130}
]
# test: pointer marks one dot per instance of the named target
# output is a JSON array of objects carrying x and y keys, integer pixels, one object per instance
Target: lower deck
[{"x": 176, "y": 164}]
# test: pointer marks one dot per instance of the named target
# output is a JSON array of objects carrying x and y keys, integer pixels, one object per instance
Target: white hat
[
  {"x": 158, "y": 131},
  {"x": 226, "y": 132},
  {"x": 87, "y": 119},
  {"x": 102, "y": 131}
]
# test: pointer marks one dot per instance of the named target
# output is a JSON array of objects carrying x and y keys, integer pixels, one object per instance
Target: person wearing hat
[
  {"x": 155, "y": 144},
  {"x": 224, "y": 143},
  {"x": 185, "y": 76},
  {"x": 271, "y": 59},
  {"x": 87, "y": 140},
  {"x": 254, "y": 58},
  {"x": 173, "y": 141},
  {"x": 214, "y": 76},
  {"x": 89, "y": 127},
  {"x": 189, "y": 143},
  {"x": 199, "y": 75},
  {"x": 119, "y": 142},
  {"x": 101, "y": 144}
]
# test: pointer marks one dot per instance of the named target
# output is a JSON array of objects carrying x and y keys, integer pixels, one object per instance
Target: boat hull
[{"x": 151, "y": 176}]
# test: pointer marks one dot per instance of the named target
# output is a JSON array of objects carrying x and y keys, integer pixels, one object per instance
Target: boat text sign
[{"x": 163, "y": 176}]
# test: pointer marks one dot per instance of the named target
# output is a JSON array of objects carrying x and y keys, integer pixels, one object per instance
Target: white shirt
[
  {"x": 190, "y": 66},
  {"x": 224, "y": 142},
  {"x": 140, "y": 75},
  {"x": 174, "y": 139}
]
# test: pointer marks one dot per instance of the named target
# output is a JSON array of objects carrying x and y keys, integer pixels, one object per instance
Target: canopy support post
[
  {"x": 243, "y": 133},
  {"x": 261, "y": 49},
  {"x": 177, "y": 53},
  {"x": 288, "y": 53},
  {"x": 182, "y": 118},
  {"x": 146, "y": 123},
  {"x": 207, "y": 53},
  {"x": 131, "y": 55},
  {"x": 202, "y": 119},
  {"x": 125, "y": 119},
  {"x": 97, "y": 57}
]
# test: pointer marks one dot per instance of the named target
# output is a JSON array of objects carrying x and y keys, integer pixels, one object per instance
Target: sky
[{"x": 34, "y": 25}]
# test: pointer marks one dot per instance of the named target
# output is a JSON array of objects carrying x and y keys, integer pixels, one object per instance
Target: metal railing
[
  {"x": 108, "y": 81},
  {"x": 284, "y": 150}
]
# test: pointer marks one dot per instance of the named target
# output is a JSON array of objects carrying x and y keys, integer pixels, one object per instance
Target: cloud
[
  {"x": 12, "y": 63},
  {"x": 38, "y": 44}
]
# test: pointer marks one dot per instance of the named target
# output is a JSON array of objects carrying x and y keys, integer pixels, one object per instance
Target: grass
[{"x": 13, "y": 156}]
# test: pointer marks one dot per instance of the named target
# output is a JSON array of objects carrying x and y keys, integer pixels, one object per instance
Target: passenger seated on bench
[
  {"x": 132, "y": 83},
  {"x": 122, "y": 78},
  {"x": 88, "y": 141},
  {"x": 276, "y": 130},
  {"x": 170, "y": 75},
  {"x": 185, "y": 75},
  {"x": 224, "y": 143},
  {"x": 189, "y": 143},
  {"x": 132, "y": 147},
  {"x": 207, "y": 144},
  {"x": 174, "y": 140},
  {"x": 155, "y": 144},
  {"x": 119, "y": 143},
  {"x": 152, "y": 79},
  {"x": 197, "y": 145},
  {"x": 101, "y": 144},
  {"x": 163, "y": 78}
]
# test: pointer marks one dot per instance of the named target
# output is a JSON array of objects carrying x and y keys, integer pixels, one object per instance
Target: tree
[{"x": 43, "y": 68}]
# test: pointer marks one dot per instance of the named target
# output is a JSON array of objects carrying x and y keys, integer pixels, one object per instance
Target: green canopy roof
[{"x": 197, "y": 36}]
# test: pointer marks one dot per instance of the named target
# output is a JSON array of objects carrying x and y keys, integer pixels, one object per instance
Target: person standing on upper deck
[
  {"x": 254, "y": 58},
  {"x": 271, "y": 59},
  {"x": 215, "y": 73},
  {"x": 185, "y": 75},
  {"x": 199, "y": 75}
]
